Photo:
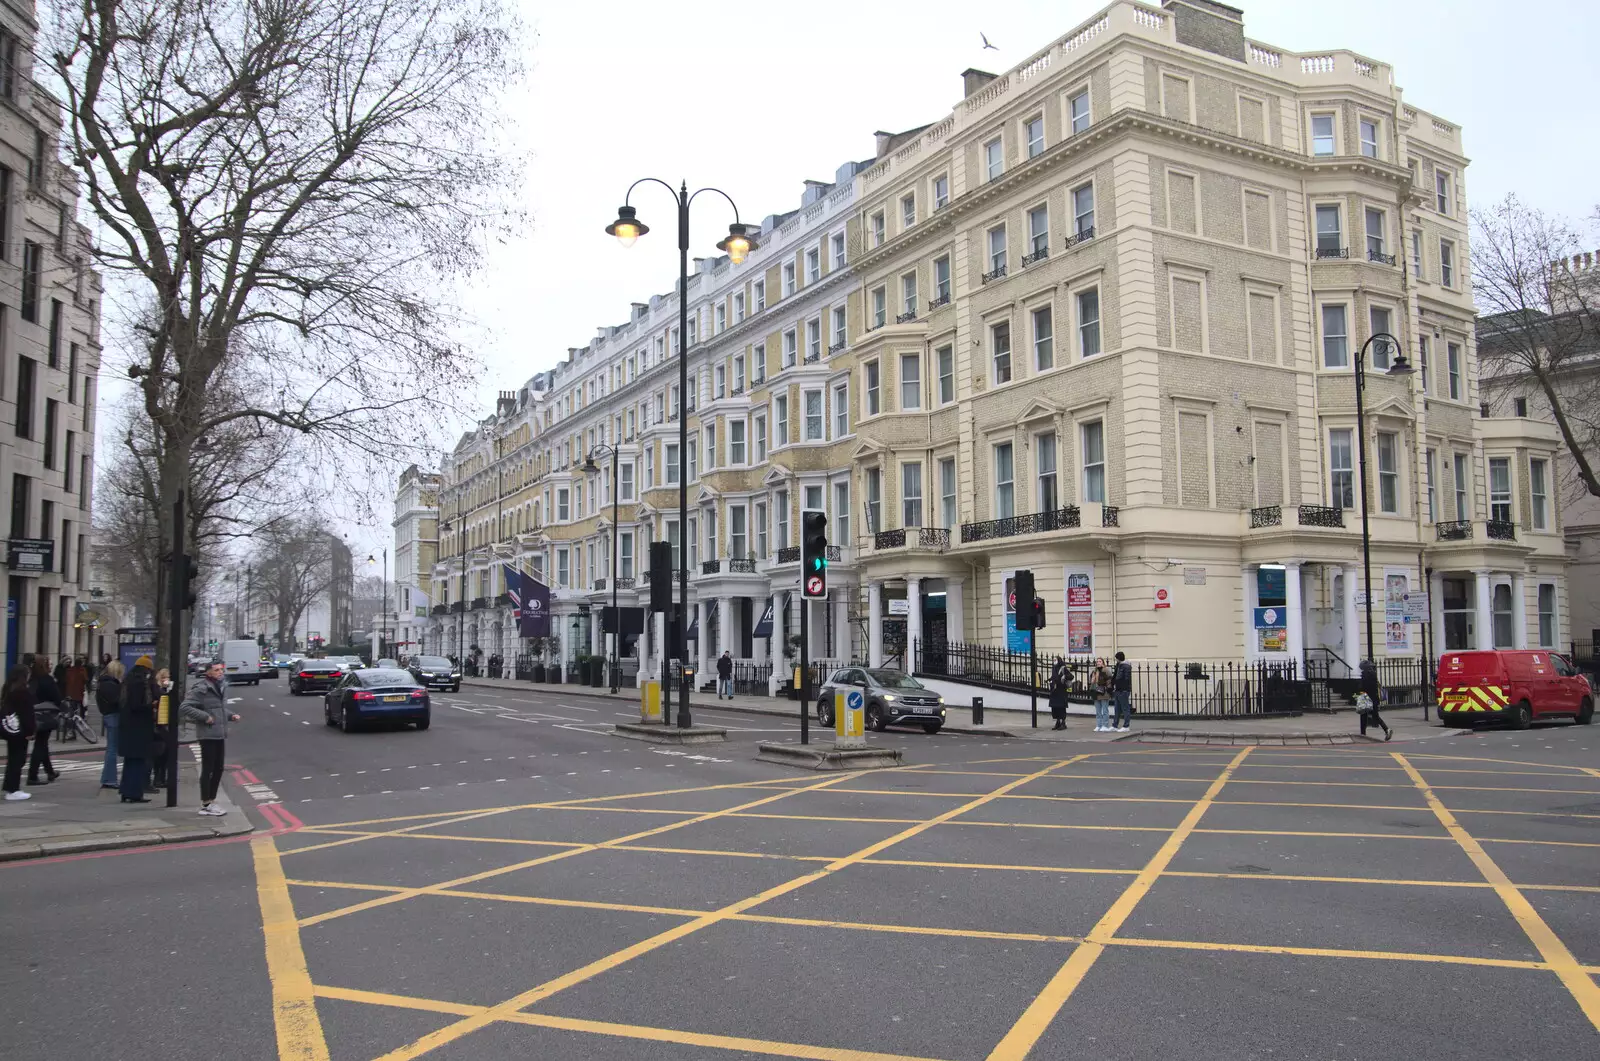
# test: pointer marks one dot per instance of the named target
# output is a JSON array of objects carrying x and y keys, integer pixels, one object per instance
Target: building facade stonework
[{"x": 1098, "y": 322}]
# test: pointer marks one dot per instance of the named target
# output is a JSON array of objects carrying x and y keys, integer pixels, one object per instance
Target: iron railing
[
  {"x": 1266, "y": 516},
  {"x": 999, "y": 273},
  {"x": 710, "y": 567},
  {"x": 1333, "y": 252},
  {"x": 1500, "y": 530},
  {"x": 1011, "y": 526},
  {"x": 1083, "y": 235},
  {"x": 1335, "y": 682},
  {"x": 1037, "y": 256},
  {"x": 746, "y": 566},
  {"x": 933, "y": 537},
  {"x": 1380, "y": 257},
  {"x": 1321, "y": 516},
  {"x": 1456, "y": 530},
  {"x": 440, "y": 609},
  {"x": 456, "y": 607},
  {"x": 1110, "y": 516},
  {"x": 749, "y": 679},
  {"x": 789, "y": 554},
  {"x": 503, "y": 600},
  {"x": 835, "y": 554},
  {"x": 625, "y": 582},
  {"x": 906, "y": 318},
  {"x": 942, "y": 300},
  {"x": 889, "y": 539},
  {"x": 599, "y": 583}
]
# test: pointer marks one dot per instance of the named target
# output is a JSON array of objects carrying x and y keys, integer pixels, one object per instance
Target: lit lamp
[
  {"x": 627, "y": 227},
  {"x": 737, "y": 246}
]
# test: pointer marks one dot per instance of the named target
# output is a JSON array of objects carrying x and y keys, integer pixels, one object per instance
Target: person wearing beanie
[{"x": 137, "y": 735}]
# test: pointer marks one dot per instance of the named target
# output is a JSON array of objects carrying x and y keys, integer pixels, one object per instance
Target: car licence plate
[
  {"x": 922, "y": 710},
  {"x": 394, "y": 699}
]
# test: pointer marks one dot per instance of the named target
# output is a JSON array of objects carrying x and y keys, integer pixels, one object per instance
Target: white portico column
[
  {"x": 658, "y": 642},
  {"x": 841, "y": 628},
  {"x": 913, "y": 622},
  {"x": 725, "y": 634},
  {"x": 1519, "y": 611},
  {"x": 1483, "y": 636},
  {"x": 1352, "y": 620},
  {"x": 1436, "y": 608},
  {"x": 779, "y": 644},
  {"x": 701, "y": 643},
  {"x": 1295, "y": 607},
  {"x": 955, "y": 621},
  {"x": 874, "y": 624}
]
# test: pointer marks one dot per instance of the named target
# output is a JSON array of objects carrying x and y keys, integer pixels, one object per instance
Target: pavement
[{"x": 517, "y": 882}]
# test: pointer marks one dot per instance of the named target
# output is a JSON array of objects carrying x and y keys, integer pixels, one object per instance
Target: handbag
[{"x": 45, "y": 716}]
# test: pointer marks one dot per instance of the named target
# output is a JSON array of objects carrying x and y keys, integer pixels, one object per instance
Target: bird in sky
[{"x": 986, "y": 43}]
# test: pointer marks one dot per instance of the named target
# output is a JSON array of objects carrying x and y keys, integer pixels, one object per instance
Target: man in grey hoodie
[{"x": 206, "y": 705}]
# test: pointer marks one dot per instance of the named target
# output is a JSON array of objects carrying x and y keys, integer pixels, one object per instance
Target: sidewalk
[
  {"x": 74, "y": 814},
  {"x": 1339, "y": 728}
]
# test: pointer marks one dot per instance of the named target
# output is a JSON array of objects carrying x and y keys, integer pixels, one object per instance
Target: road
[{"x": 516, "y": 882}]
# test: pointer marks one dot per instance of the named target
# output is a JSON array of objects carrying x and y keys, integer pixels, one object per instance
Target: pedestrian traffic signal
[
  {"x": 190, "y": 573},
  {"x": 1021, "y": 600},
  {"x": 1037, "y": 614},
  {"x": 813, "y": 553},
  {"x": 660, "y": 576}
]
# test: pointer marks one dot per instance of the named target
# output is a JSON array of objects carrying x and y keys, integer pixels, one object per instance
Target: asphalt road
[{"x": 518, "y": 883}]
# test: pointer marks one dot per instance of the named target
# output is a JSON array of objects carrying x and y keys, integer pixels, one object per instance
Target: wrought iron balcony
[
  {"x": 1037, "y": 256},
  {"x": 1083, "y": 235},
  {"x": 479, "y": 603},
  {"x": 813, "y": 356},
  {"x": 942, "y": 300},
  {"x": 1333, "y": 252},
  {"x": 835, "y": 554},
  {"x": 907, "y": 317},
  {"x": 457, "y": 607},
  {"x": 836, "y": 347},
  {"x": 599, "y": 583},
  {"x": 789, "y": 554},
  {"x": 1011, "y": 526},
  {"x": 439, "y": 609},
  {"x": 933, "y": 537},
  {"x": 1455, "y": 530},
  {"x": 710, "y": 567},
  {"x": 1266, "y": 516},
  {"x": 1321, "y": 516},
  {"x": 1380, "y": 257},
  {"x": 625, "y": 582},
  {"x": 1110, "y": 516},
  {"x": 998, "y": 274},
  {"x": 889, "y": 539},
  {"x": 747, "y": 566},
  {"x": 503, "y": 600},
  {"x": 1500, "y": 530}
]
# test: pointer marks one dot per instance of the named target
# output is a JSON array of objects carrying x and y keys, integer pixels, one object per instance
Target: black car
[
  {"x": 314, "y": 676},
  {"x": 892, "y": 698},
  {"x": 376, "y": 695},
  {"x": 436, "y": 672}
]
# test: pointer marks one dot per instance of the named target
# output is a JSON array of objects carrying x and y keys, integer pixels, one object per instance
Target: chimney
[
  {"x": 882, "y": 141},
  {"x": 971, "y": 81},
  {"x": 1209, "y": 26}
]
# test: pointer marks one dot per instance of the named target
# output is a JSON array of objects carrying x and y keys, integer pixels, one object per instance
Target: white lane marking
[
  {"x": 350, "y": 795},
  {"x": 303, "y": 722}
]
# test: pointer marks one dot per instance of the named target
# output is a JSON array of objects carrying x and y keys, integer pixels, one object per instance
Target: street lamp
[
  {"x": 590, "y": 468},
  {"x": 461, "y": 621},
  {"x": 383, "y": 625},
  {"x": 737, "y": 245},
  {"x": 1398, "y": 367}
]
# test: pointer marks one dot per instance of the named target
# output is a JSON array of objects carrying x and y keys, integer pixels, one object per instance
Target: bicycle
[{"x": 74, "y": 723}]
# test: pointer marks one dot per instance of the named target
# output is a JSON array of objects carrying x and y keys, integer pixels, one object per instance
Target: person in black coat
[
  {"x": 137, "y": 730},
  {"x": 1060, "y": 682},
  {"x": 1374, "y": 690},
  {"x": 46, "y": 709},
  {"x": 108, "y": 697},
  {"x": 16, "y": 711}
]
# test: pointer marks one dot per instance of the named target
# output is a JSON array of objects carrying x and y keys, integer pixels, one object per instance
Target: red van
[{"x": 1511, "y": 685}]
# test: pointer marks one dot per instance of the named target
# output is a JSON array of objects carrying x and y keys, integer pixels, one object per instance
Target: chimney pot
[{"x": 972, "y": 79}]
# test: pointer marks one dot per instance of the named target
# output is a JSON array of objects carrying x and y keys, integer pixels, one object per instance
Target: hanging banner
[
  {"x": 764, "y": 624},
  {"x": 1397, "y": 636},
  {"x": 533, "y": 612},
  {"x": 420, "y": 603},
  {"x": 1079, "y": 611}
]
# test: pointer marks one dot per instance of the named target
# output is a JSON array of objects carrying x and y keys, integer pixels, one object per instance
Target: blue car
[{"x": 376, "y": 695}]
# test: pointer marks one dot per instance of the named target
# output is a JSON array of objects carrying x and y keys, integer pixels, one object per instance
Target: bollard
[
  {"x": 977, "y": 710},
  {"x": 849, "y": 720}
]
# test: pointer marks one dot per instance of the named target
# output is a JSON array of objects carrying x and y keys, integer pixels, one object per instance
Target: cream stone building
[
  {"x": 1097, "y": 322},
  {"x": 416, "y": 550}
]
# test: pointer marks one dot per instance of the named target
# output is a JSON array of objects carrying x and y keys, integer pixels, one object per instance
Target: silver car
[{"x": 891, "y": 698}]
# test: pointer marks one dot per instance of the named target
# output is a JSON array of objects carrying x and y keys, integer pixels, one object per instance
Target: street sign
[
  {"x": 815, "y": 586},
  {"x": 900, "y": 606},
  {"x": 1269, "y": 618},
  {"x": 1163, "y": 597},
  {"x": 849, "y": 720}
]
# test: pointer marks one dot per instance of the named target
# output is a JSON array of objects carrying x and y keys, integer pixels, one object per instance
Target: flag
[
  {"x": 420, "y": 603},
  {"x": 514, "y": 589},
  {"x": 533, "y": 617}
]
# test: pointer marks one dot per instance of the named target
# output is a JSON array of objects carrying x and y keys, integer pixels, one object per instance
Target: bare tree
[
  {"x": 1539, "y": 296},
  {"x": 290, "y": 568},
  {"x": 289, "y": 184}
]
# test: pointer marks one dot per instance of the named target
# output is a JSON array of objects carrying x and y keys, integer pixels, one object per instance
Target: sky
[{"x": 756, "y": 98}]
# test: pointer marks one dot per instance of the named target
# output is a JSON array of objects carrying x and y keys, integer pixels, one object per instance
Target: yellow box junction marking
[{"x": 294, "y": 1009}]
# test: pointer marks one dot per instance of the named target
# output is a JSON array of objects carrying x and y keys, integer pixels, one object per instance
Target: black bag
[{"x": 45, "y": 717}]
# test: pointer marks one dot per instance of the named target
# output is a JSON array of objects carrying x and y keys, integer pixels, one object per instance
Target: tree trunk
[{"x": 173, "y": 471}]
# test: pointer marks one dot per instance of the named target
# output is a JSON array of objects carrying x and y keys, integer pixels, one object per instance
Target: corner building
[{"x": 1098, "y": 322}]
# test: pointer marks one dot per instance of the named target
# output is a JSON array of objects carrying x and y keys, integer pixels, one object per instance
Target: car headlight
[
  {"x": 889, "y": 697},
  {"x": 941, "y": 701}
]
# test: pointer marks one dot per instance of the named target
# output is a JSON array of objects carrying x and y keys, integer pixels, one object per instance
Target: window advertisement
[
  {"x": 1079, "y": 610},
  {"x": 1396, "y": 595},
  {"x": 1016, "y": 640},
  {"x": 1271, "y": 615}
]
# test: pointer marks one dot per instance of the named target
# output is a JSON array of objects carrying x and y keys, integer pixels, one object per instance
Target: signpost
[{"x": 849, "y": 719}]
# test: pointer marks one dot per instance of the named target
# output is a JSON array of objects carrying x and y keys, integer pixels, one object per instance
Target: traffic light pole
[
  {"x": 1033, "y": 675},
  {"x": 805, "y": 673},
  {"x": 177, "y": 642}
]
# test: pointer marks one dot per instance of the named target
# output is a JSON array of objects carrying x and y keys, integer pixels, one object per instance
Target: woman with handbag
[
  {"x": 46, "y": 710},
  {"x": 17, "y": 724},
  {"x": 1060, "y": 679}
]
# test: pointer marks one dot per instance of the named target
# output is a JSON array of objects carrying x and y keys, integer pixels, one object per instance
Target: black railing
[
  {"x": 1500, "y": 530},
  {"x": 1082, "y": 236},
  {"x": 999, "y": 273},
  {"x": 835, "y": 553},
  {"x": 749, "y": 679},
  {"x": 479, "y": 603},
  {"x": 440, "y": 609},
  {"x": 1380, "y": 257},
  {"x": 813, "y": 356},
  {"x": 624, "y": 581},
  {"x": 1110, "y": 516},
  {"x": 710, "y": 567},
  {"x": 1011, "y": 526},
  {"x": 1209, "y": 688},
  {"x": 889, "y": 539},
  {"x": 1333, "y": 252},
  {"x": 933, "y": 537},
  {"x": 746, "y": 566},
  {"x": 942, "y": 300},
  {"x": 1321, "y": 516},
  {"x": 906, "y": 317},
  {"x": 456, "y": 607},
  {"x": 599, "y": 583},
  {"x": 1456, "y": 530},
  {"x": 503, "y": 600},
  {"x": 835, "y": 348},
  {"x": 789, "y": 554},
  {"x": 1335, "y": 683},
  {"x": 1037, "y": 256},
  {"x": 1266, "y": 516}
]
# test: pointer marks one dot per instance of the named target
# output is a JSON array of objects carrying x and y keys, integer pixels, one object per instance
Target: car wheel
[
  {"x": 1522, "y": 715},
  {"x": 456, "y": 688},
  {"x": 423, "y": 723},
  {"x": 327, "y": 714},
  {"x": 1585, "y": 712},
  {"x": 344, "y": 721},
  {"x": 824, "y": 713},
  {"x": 875, "y": 720},
  {"x": 930, "y": 728}
]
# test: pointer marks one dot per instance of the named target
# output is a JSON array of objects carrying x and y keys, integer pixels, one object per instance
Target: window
[
  {"x": 1078, "y": 111},
  {"x": 738, "y": 375},
  {"x": 941, "y": 280},
  {"x": 780, "y": 418},
  {"x": 722, "y": 382},
  {"x": 54, "y": 349},
  {"x": 1322, "y": 134},
  {"x": 32, "y": 266},
  {"x": 671, "y": 463},
  {"x": 1519, "y": 406},
  {"x": 1424, "y": 356},
  {"x": 1447, "y": 263},
  {"x": 1463, "y": 505},
  {"x": 1388, "y": 472},
  {"x": 1500, "y": 489},
  {"x": 761, "y": 529},
  {"x": 563, "y": 511},
  {"x": 788, "y": 280},
  {"x": 1383, "y": 351},
  {"x": 1005, "y": 501},
  {"x": 1000, "y": 346},
  {"x": 946, "y": 356},
  {"x": 839, "y": 335},
  {"x": 625, "y": 554},
  {"x": 814, "y": 416},
  {"x": 838, "y": 250},
  {"x": 711, "y": 533},
  {"x": 50, "y": 415},
  {"x": 1045, "y": 466},
  {"x": 736, "y": 442},
  {"x": 1441, "y": 190},
  {"x": 813, "y": 265},
  {"x": 880, "y": 307},
  {"x": 874, "y": 500},
  {"x": 1503, "y": 616},
  {"x": 814, "y": 339},
  {"x": 1330, "y": 236},
  {"x": 911, "y": 494},
  {"x": 1044, "y": 355},
  {"x": 1039, "y": 232},
  {"x": 738, "y": 533},
  {"x": 841, "y": 510},
  {"x": 908, "y": 211},
  {"x": 941, "y": 192},
  {"x": 721, "y": 318},
  {"x": 1452, "y": 358},
  {"x": 1083, "y": 211},
  {"x": 693, "y": 538},
  {"x": 1416, "y": 253},
  {"x": 997, "y": 251},
  {"x": 625, "y": 481},
  {"x": 878, "y": 229},
  {"x": 36, "y": 175},
  {"x": 790, "y": 348},
  {"x": 1341, "y": 474},
  {"x": 908, "y": 295},
  {"x": 67, "y": 467},
  {"x": 871, "y": 370},
  {"x": 1539, "y": 493},
  {"x": 20, "y": 488},
  {"x": 1430, "y": 469},
  {"x": 1033, "y": 132},
  {"x": 738, "y": 307},
  {"x": 1369, "y": 138},
  {"x": 1335, "y": 338},
  {"x": 1094, "y": 461},
  {"x": 1089, "y": 322},
  {"x": 760, "y": 432},
  {"x": 1547, "y": 615},
  {"x": 26, "y": 368},
  {"x": 841, "y": 409},
  {"x": 758, "y": 363},
  {"x": 760, "y": 289},
  {"x": 1374, "y": 234},
  {"x": 563, "y": 568},
  {"x": 693, "y": 469},
  {"x": 910, "y": 381},
  {"x": 994, "y": 158}
]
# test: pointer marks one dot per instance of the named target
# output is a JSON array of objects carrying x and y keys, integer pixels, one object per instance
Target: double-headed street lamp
[
  {"x": 737, "y": 245},
  {"x": 383, "y": 624},
  {"x": 1398, "y": 367},
  {"x": 590, "y": 468},
  {"x": 460, "y": 526}
]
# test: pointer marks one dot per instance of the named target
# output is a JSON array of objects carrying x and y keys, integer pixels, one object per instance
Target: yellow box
[
  {"x": 163, "y": 711},
  {"x": 650, "y": 701},
  {"x": 849, "y": 719}
]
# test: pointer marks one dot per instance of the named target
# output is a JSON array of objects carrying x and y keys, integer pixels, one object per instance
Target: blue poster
[
  {"x": 1016, "y": 640},
  {"x": 1271, "y": 586},
  {"x": 764, "y": 625}
]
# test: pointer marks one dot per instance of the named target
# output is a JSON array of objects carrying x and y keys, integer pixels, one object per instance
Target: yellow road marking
[
  {"x": 1025, "y": 1033},
  {"x": 1486, "y": 759},
  {"x": 1550, "y": 947},
  {"x": 513, "y": 1005},
  {"x": 294, "y": 1009},
  {"x": 1332, "y": 952},
  {"x": 410, "y": 893}
]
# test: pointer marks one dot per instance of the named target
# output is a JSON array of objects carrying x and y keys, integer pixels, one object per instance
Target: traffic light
[
  {"x": 189, "y": 572},
  {"x": 813, "y": 553},
  {"x": 660, "y": 576},
  {"x": 1022, "y": 597},
  {"x": 1038, "y": 613}
]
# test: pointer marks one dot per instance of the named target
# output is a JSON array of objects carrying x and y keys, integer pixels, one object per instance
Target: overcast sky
[{"x": 756, "y": 98}]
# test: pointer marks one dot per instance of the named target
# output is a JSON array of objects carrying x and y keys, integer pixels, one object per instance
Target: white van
[{"x": 243, "y": 661}]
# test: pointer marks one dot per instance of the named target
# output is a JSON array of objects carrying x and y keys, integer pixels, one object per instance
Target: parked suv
[
  {"x": 892, "y": 698},
  {"x": 1516, "y": 686}
]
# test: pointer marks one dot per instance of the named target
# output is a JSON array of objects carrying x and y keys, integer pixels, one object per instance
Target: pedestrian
[
  {"x": 725, "y": 675},
  {"x": 206, "y": 705},
  {"x": 161, "y": 685},
  {"x": 1104, "y": 690},
  {"x": 46, "y": 712},
  {"x": 1122, "y": 692},
  {"x": 76, "y": 685},
  {"x": 60, "y": 673},
  {"x": 137, "y": 726},
  {"x": 17, "y": 723},
  {"x": 108, "y": 698},
  {"x": 1060, "y": 682},
  {"x": 1369, "y": 698}
]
